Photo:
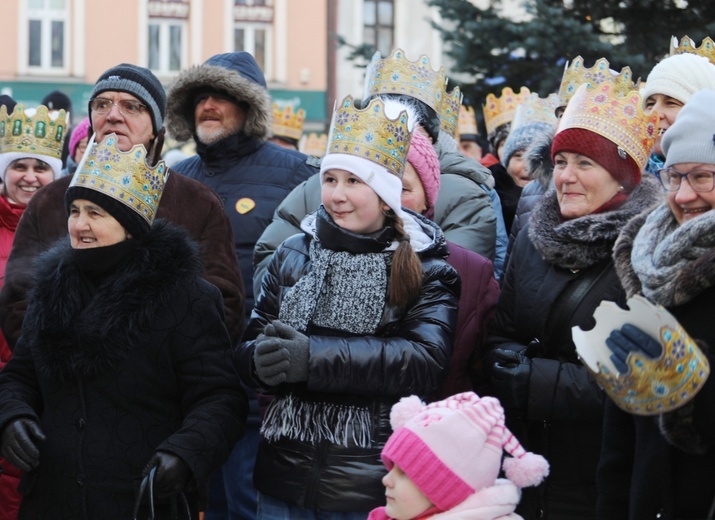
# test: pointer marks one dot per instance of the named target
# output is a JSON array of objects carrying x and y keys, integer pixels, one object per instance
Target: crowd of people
[{"x": 382, "y": 328}]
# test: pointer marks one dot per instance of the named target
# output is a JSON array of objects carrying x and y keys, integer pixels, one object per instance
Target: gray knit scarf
[{"x": 668, "y": 257}]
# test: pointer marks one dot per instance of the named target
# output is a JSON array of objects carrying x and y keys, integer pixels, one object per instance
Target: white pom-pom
[
  {"x": 529, "y": 470},
  {"x": 404, "y": 410}
]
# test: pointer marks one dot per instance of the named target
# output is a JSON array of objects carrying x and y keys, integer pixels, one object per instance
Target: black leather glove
[
  {"x": 510, "y": 374},
  {"x": 18, "y": 443},
  {"x": 172, "y": 474},
  {"x": 281, "y": 354},
  {"x": 630, "y": 339}
]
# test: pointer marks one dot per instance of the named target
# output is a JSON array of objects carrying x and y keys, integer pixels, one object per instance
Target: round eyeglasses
[
  {"x": 700, "y": 180},
  {"x": 127, "y": 107}
]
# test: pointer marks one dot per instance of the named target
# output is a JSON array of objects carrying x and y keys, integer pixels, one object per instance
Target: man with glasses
[{"x": 130, "y": 102}]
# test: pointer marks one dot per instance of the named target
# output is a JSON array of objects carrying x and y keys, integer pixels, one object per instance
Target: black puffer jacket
[{"x": 408, "y": 354}]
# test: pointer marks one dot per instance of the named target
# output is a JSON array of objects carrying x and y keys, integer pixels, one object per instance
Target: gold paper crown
[
  {"x": 687, "y": 45},
  {"x": 575, "y": 74},
  {"x": 398, "y": 75},
  {"x": 619, "y": 119},
  {"x": 314, "y": 144},
  {"x": 536, "y": 110},
  {"x": 449, "y": 114},
  {"x": 34, "y": 134},
  {"x": 370, "y": 134},
  {"x": 467, "y": 121},
  {"x": 124, "y": 176},
  {"x": 287, "y": 123},
  {"x": 500, "y": 110}
]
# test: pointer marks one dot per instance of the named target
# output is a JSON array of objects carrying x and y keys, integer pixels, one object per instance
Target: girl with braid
[{"x": 354, "y": 313}]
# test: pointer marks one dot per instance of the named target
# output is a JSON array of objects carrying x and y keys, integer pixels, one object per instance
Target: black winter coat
[
  {"x": 409, "y": 354},
  {"x": 145, "y": 365}
]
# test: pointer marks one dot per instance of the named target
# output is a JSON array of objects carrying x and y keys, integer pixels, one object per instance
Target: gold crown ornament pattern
[
  {"x": 576, "y": 74},
  {"x": 536, "y": 110},
  {"x": 370, "y": 134},
  {"x": 499, "y": 111},
  {"x": 449, "y": 114},
  {"x": 687, "y": 45},
  {"x": 124, "y": 176},
  {"x": 398, "y": 75},
  {"x": 314, "y": 144},
  {"x": 619, "y": 119},
  {"x": 287, "y": 123},
  {"x": 33, "y": 133},
  {"x": 467, "y": 121}
]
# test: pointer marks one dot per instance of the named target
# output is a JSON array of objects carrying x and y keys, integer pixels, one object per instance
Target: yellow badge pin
[{"x": 245, "y": 205}]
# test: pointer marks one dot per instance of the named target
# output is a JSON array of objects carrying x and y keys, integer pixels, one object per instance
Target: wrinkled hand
[
  {"x": 172, "y": 474},
  {"x": 18, "y": 443},
  {"x": 281, "y": 354},
  {"x": 510, "y": 373},
  {"x": 630, "y": 339}
]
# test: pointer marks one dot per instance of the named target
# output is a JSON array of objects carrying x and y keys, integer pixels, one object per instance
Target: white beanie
[
  {"x": 691, "y": 139},
  {"x": 679, "y": 77}
]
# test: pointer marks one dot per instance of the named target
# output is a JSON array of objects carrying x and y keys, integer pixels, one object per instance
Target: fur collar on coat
[
  {"x": 582, "y": 242},
  {"x": 538, "y": 159},
  {"x": 71, "y": 339}
]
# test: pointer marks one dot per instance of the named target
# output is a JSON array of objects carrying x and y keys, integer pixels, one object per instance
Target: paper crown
[
  {"x": 499, "y": 111},
  {"x": 536, "y": 110},
  {"x": 619, "y": 119},
  {"x": 449, "y": 114},
  {"x": 124, "y": 176},
  {"x": 575, "y": 74},
  {"x": 467, "y": 121},
  {"x": 371, "y": 134},
  {"x": 398, "y": 75},
  {"x": 287, "y": 123},
  {"x": 34, "y": 133},
  {"x": 651, "y": 385},
  {"x": 314, "y": 144},
  {"x": 687, "y": 45}
]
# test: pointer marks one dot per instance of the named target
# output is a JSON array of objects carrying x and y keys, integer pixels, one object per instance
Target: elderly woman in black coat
[{"x": 124, "y": 363}]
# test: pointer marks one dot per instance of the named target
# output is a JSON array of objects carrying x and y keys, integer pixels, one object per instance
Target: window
[
  {"x": 252, "y": 30},
  {"x": 47, "y": 37},
  {"x": 379, "y": 24},
  {"x": 251, "y": 39},
  {"x": 166, "y": 46}
]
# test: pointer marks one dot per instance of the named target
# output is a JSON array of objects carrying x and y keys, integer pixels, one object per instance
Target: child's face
[
  {"x": 404, "y": 500},
  {"x": 351, "y": 203}
]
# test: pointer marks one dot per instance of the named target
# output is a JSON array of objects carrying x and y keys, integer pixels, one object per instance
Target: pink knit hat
[
  {"x": 453, "y": 448},
  {"x": 424, "y": 160},
  {"x": 78, "y": 133}
]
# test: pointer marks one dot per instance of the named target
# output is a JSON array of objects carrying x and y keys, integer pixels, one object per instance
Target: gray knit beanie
[
  {"x": 679, "y": 77},
  {"x": 520, "y": 138},
  {"x": 141, "y": 83},
  {"x": 691, "y": 139}
]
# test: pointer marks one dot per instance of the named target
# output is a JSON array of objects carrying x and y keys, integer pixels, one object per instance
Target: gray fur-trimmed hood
[
  {"x": 236, "y": 74},
  {"x": 538, "y": 158}
]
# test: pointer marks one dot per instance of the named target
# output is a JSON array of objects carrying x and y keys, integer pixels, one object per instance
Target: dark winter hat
[
  {"x": 57, "y": 100},
  {"x": 597, "y": 148},
  {"x": 128, "y": 218},
  {"x": 139, "y": 82},
  {"x": 691, "y": 139},
  {"x": 520, "y": 138},
  {"x": 8, "y": 102}
]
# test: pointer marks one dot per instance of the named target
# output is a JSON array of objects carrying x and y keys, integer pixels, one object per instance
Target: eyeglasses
[
  {"x": 700, "y": 180},
  {"x": 127, "y": 107}
]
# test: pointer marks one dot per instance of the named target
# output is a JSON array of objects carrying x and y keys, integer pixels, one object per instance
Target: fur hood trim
[
  {"x": 180, "y": 104},
  {"x": 71, "y": 339},
  {"x": 538, "y": 158}
]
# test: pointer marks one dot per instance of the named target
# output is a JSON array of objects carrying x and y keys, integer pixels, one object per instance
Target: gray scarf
[{"x": 674, "y": 262}]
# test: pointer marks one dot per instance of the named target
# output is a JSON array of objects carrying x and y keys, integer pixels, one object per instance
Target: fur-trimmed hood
[
  {"x": 538, "y": 158},
  {"x": 236, "y": 74},
  {"x": 70, "y": 338}
]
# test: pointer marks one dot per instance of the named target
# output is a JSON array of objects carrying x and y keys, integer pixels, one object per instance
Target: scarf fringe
[{"x": 314, "y": 422}]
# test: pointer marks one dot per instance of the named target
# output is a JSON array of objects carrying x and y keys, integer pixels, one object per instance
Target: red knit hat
[
  {"x": 604, "y": 151},
  {"x": 453, "y": 448},
  {"x": 424, "y": 160}
]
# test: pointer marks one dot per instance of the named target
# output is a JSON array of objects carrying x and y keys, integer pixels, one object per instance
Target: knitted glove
[
  {"x": 298, "y": 347},
  {"x": 630, "y": 339},
  {"x": 271, "y": 358},
  {"x": 511, "y": 371},
  {"x": 172, "y": 474},
  {"x": 18, "y": 443}
]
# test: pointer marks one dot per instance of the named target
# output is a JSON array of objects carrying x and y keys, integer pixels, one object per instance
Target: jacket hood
[
  {"x": 451, "y": 161},
  {"x": 73, "y": 339},
  {"x": 538, "y": 158},
  {"x": 236, "y": 74}
]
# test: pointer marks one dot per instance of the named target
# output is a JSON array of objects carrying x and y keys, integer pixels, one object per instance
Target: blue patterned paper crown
[
  {"x": 124, "y": 176},
  {"x": 370, "y": 134}
]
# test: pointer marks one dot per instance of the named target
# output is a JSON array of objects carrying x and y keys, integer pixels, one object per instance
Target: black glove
[
  {"x": 19, "y": 443},
  {"x": 172, "y": 474},
  {"x": 510, "y": 373},
  {"x": 281, "y": 354},
  {"x": 630, "y": 339}
]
